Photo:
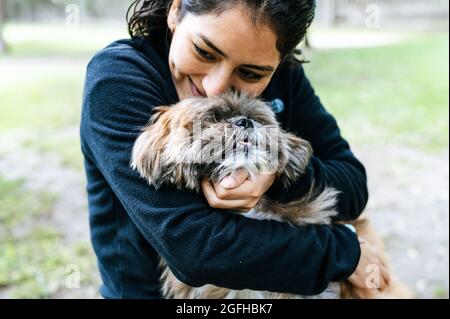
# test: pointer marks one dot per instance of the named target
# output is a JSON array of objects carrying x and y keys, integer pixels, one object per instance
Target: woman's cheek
[{"x": 189, "y": 65}]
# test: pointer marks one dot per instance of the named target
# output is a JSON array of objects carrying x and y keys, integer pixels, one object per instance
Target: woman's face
[{"x": 210, "y": 54}]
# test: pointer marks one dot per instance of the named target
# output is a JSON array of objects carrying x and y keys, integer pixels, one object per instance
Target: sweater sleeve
[
  {"x": 201, "y": 245},
  {"x": 333, "y": 164}
]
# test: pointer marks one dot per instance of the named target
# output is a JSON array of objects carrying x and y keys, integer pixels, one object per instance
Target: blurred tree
[
  {"x": 2, "y": 21},
  {"x": 329, "y": 12}
]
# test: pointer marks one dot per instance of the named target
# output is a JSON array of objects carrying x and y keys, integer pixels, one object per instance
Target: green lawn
[
  {"x": 396, "y": 94},
  {"x": 49, "y": 101},
  {"x": 34, "y": 260}
]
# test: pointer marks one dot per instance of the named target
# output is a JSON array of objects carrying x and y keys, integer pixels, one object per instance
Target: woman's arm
[
  {"x": 201, "y": 245},
  {"x": 333, "y": 163}
]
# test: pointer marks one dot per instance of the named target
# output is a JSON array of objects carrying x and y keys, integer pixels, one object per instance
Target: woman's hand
[
  {"x": 371, "y": 272},
  {"x": 237, "y": 192}
]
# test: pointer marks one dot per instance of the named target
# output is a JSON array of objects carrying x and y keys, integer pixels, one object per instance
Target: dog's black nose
[{"x": 245, "y": 123}]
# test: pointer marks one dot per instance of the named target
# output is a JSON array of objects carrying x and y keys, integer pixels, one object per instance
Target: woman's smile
[{"x": 195, "y": 90}]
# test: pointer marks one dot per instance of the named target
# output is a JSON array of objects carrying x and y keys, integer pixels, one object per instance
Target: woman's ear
[
  {"x": 294, "y": 158},
  {"x": 172, "y": 17}
]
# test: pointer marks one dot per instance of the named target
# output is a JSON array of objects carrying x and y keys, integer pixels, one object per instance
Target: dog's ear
[
  {"x": 157, "y": 113},
  {"x": 164, "y": 152},
  {"x": 294, "y": 158},
  {"x": 147, "y": 156}
]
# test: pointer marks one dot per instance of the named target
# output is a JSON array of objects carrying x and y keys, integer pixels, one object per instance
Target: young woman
[{"x": 187, "y": 48}]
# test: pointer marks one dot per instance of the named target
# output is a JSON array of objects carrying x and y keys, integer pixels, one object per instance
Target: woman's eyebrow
[
  {"x": 258, "y": 67},
  {"x": 211, "y": 45},
  {"x": 221, "y": 53}
]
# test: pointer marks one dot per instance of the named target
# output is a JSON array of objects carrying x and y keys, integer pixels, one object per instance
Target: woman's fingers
[
  {"x": 245, "y": 191},
  {"x": 208, "y": 190},
  {"x": 382, "y": 283},
  {"x": 250, "y": 189},
  {"x": 216, "y": 202},
  {"x": 235, "y": 180},
  {"x": 386, "y": 278},
  {"x": 383, "y": 275},
  {"x": 371, "y": 272}
]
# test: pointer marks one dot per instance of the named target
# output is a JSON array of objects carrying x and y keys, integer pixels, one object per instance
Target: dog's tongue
[{"x": 245, "y": 142}]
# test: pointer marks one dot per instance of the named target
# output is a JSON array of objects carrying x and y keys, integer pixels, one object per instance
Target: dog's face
[{"x": 213, "y": 138}]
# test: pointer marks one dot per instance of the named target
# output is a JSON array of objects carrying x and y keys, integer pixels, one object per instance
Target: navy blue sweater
[{"x": 132, "y": 224}]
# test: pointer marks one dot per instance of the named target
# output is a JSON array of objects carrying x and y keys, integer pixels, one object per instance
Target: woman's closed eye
[
  {"x": 249, "y": 75},
  {"x": 204, "y": 54},
  {"x": 244, "y": 73}
]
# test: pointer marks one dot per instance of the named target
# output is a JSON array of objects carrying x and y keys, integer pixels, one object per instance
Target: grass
[
  {"x": 396, "y": 94},
  {"x": 33, "y": 256},
  {"x": 67, "y": 147},
  {"x": 50, "y": 101},
  {"x": 440, "y": 292},
  {"x": 15, "y": 208}
]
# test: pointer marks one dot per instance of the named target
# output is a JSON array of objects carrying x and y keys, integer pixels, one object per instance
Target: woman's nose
[{"x": 217, "y": 83}]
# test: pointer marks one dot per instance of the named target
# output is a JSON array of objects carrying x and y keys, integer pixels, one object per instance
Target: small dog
[{"x": 215, "y": 137}]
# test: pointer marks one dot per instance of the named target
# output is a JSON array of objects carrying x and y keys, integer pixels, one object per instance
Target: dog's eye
[{"x": 219, "y": 114}]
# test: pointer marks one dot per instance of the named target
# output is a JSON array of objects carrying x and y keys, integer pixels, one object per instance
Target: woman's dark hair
[{"x": 288, "y": 18}]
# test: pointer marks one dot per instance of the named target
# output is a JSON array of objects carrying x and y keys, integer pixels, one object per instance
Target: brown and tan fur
[{"x": 168, "y": 152}]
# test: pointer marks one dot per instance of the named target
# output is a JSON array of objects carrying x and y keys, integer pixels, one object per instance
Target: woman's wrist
[{"x": 356, "y": 248}]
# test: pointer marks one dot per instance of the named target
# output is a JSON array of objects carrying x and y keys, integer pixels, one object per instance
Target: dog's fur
[{"x": 199, "y": 138}]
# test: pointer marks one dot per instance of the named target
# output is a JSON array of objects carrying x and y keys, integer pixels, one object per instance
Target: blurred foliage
[
  {"x": 49, "y": 40},
  {"x": 42, "y": 10},
  {"x": 50, "y": 95}
]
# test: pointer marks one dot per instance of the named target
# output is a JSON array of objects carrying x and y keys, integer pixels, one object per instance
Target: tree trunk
[
  {"x": 2, "y": 21},
  {"x": 329, "y": 12}
]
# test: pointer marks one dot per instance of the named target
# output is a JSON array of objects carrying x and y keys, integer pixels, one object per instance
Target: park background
[{"x": 380, "y": 67}]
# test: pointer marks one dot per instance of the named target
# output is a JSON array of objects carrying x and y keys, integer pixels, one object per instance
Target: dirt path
[
  {"x": 46, "y": 172},
  {"x": 409, "y": 205},
  {"x": 69, "y": 216}
]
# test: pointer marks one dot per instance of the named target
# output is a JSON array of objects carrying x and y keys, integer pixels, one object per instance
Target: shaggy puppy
[{"x": 213, "y": 138}]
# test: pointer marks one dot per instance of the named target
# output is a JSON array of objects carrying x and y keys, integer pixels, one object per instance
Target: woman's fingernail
[{"x": 227, "y": 182}]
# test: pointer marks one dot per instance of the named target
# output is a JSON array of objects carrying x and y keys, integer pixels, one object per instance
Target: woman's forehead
[{"x": 235, "y": 34}]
